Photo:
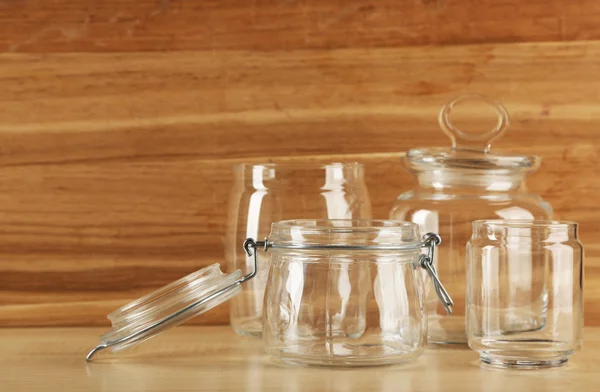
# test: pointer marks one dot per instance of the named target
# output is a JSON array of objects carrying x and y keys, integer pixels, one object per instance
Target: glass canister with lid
[{"x": 457, "y": 186}]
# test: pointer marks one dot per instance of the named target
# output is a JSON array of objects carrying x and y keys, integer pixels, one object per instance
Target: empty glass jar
[
  {"x": 340, "y": 292},
  {"x": 455, "y": 187},
  {"x": 350, "y": 293},
  {"x": 524, "y": 292},
  {"x": 267, "y": 193}
]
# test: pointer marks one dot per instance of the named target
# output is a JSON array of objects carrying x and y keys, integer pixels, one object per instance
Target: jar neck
[
  {"x": 470, "y": 180},
  {"x": 345, "y": 232},
  {"x": 324, "y": 177},
  {"x": 525, "y": 230}
]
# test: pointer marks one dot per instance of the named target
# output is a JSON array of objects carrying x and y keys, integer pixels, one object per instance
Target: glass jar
[
  {"x": 267, "y": 193},
  {"x": 455, "y": 187},
  {"x": 524, "y": 292},
  {"x": 340, "y": 292},
  {"x": 346, "y": 293}
]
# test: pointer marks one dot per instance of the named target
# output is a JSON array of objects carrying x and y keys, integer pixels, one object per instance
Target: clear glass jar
[
  {"x": 345, "y": 293},
  {"x": 455, "y": 187},
  {"x": 267, "y": 193},
  {"x": 340, "y": 292},
  {"x": 525, "y": 292}
]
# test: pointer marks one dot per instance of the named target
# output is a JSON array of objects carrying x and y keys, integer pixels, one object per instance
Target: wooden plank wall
[{"x": 120, "y": 120}]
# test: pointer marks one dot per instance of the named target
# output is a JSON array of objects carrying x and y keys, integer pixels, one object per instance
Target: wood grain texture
[
  {"x": 115, "y": 166},
  {"x": 215, "y": 359},
  {"x": 83, "y": 107},
  {"x": 80, "y": 239},
  {"x": 166, "y": 25}
]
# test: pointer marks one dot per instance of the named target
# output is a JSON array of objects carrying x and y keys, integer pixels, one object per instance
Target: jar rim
[
  {"x": 343, "y": 224},
  {"x": 524, "y": 223},
  {"x": 344, "y": 232},
  {"x": 298, "y": 165}
]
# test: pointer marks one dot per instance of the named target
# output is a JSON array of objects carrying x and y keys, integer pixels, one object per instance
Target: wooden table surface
[{"x": 215, "y": 359}]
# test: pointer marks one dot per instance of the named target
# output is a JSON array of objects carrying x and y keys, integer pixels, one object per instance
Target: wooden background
[{"x": 120, "y": 120}]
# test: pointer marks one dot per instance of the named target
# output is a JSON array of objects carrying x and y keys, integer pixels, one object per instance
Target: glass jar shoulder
[{"x": 514, "y": 205}]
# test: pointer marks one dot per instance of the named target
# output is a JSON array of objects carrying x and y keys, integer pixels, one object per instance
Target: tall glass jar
[
  {"x": 455, "y": 187},
  {"x": 267, "y": 193}
]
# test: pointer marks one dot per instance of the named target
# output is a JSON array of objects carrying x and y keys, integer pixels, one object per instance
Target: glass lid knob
[{"x": 465, "y": 141}]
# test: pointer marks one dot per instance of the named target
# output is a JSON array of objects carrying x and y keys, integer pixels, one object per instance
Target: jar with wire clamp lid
[{"x": 340, "y": 292}]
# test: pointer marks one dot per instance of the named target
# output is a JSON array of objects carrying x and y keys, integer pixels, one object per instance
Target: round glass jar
[
  {"x": 455, "y": 187},
  {"x": 344, "y": 292}
]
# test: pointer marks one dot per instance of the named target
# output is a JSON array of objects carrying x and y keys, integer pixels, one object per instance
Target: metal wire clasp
[
  {"x": 431, "y": 240},
  {"x": 250, "y": 247}
]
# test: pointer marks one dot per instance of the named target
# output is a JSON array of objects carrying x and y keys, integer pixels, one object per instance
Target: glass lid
[
  {"x": 173, "y": 305},
  {"x": 469, "y": 151}
]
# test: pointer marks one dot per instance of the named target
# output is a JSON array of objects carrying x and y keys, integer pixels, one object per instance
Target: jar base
[
  {"x": 450, "y": 344},
  {"x": 247, "y": 326},
  {"x": 513, "y": 362},
  {"x": 343, "y": 363},
  {"x": 444, "y": 330},
  {"x": 245, "y": 332},
  {"x": 303, "y": 357}
]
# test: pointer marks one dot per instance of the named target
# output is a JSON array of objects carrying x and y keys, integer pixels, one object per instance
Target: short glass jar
[
  {"x": 524, "y": 292},
  {"x": 346, "y": 292}
]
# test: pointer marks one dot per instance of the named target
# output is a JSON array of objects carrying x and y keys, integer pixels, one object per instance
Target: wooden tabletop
[{"x": 215, "y": 359}]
